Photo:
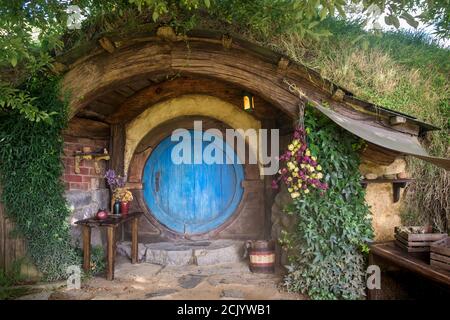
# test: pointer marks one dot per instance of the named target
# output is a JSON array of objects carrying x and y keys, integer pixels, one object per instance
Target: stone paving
[{"x": 147, "y": 281}]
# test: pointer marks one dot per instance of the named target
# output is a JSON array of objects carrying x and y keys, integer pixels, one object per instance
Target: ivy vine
[
  {"x": 327, "y": 249},
  {"x": 30, "y": 171}
]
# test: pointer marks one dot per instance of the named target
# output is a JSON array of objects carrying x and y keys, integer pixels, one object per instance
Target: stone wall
[{"x": 379, "y": 196}]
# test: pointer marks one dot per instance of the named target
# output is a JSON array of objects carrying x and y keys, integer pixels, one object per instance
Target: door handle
[{"x": 157, "y": 178}]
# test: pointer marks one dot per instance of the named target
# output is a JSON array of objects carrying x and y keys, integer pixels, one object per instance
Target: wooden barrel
[{"x": 262, "y": 256}]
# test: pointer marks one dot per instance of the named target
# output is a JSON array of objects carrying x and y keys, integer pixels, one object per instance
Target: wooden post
[
  {"x": 86, "y": 248},
  {"x": 134, "y": 240},
  {"x": 117, "y": 151},
  {"x": 110, "y": 252},
  {"x": 117, "y": 148}
]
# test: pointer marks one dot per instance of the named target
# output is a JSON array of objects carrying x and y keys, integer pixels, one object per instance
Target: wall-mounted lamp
[{"x": 249, "y": 103}]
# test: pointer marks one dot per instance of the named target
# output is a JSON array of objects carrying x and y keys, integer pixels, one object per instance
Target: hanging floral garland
[{"x": 301, "y": 172}]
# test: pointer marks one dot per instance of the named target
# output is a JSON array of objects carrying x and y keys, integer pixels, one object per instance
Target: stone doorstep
[{"x": 201, "y": 253}]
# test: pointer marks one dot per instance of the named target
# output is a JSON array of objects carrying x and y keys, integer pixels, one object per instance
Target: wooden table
[
  {"x": 387, "y": 254},
  {"x": 111, "y": 224}
]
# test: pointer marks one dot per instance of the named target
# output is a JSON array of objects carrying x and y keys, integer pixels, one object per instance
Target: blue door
[{"x": 192, "y": 198}]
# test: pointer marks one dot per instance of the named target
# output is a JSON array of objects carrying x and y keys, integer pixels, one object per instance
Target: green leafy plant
[
  {"x": 30, "y": 171},
  {"x": 98, "y": 261},
  {"x": 328, "y": 245}
]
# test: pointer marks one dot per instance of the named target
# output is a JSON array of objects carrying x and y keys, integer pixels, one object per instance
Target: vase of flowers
[
  {"x": 125, "y": 197},
  {"x": 116, "y": 185}
]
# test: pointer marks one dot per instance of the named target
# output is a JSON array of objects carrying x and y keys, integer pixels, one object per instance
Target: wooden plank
[
  {"x": 400, "y": 258},
  {"x": 86, "y": 230},
  {"x": 112, "y": 220},
  {"x": 2, "y": 237},
  {"x": 155, "y": 93},
  {"x": 86, "y": 128},
  {"x": 439, "y": 264},
  {"x": 442, "y": 246},
  {"x": 430, "y": 237},
  {"x": 253, "y": 185},
  {"x": 411, "y": 249},
  {"x": 137, "y": 165},
  {"x": 440, "y": 257},
  {"x": 15, "y": 245},
  {"x": 413, "y": 243},
  {"x": 110, "y": 232},
  {"x": 118, "y": 148},
  {"x": 134, "y": 240}
]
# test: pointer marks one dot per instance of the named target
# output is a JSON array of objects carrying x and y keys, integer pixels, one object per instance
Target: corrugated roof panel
[{"x": 384, "y": 137}]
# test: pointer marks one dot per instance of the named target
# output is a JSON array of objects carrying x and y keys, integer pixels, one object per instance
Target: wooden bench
[
  {"x": 387, "y": 255},
  {"x": 111, "y": 224}
]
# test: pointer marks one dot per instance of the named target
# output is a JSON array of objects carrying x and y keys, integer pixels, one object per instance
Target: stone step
[{"x": 181, "y": 253}]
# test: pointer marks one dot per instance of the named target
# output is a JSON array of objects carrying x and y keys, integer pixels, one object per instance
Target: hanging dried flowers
[{"x": 301, "y": 172}]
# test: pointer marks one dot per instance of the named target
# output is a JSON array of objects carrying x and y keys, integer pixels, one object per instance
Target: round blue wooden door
[{"x": 192, "y": 198}]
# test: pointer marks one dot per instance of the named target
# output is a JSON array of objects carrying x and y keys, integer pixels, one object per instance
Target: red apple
[{"x": 102, "y": 214}]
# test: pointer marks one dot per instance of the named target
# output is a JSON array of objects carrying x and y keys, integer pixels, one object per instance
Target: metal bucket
[{"x": 262, "y": 256}]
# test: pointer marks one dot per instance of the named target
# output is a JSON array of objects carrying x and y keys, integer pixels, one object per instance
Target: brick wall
[
  {"x": 87, "y": 179},
  {"x": 86, "y": 191}
]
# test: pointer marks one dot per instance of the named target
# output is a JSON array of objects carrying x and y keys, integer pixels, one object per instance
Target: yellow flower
[
  {"x": 291, "y": 147},
  {"x": 290, "y": 190},
  {"x": 319, "y": 175},
  {"x": 319, "y": 167},
  {"x": 313, "y": 158},
  {"x": 296, "y": 169},
  {"x": 307, "y": 153},
  {"x": 306, "y": 191},
  {"x": 302, "y": 165},
  {"x": 289, "y": 179},
  {"x": 295, "y": 195},
  {"x": 311, "y": 169}
]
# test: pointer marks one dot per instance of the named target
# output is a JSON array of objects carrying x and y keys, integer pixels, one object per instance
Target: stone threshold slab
[{"x": 201, "y": 253}]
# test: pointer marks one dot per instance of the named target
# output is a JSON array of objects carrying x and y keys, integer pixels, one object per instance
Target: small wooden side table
[{"x": 111, "y": 223}]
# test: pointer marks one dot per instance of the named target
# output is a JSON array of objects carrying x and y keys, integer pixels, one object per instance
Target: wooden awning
[{"x": 384, "y": 136}]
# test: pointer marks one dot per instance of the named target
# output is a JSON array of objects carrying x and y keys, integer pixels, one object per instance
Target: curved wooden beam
[
  {"x": 100, "y": 73},
  {"x": 177, "y": 87}
]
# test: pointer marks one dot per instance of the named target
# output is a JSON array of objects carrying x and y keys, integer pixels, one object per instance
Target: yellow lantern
[{"x": 249, "y": 104}]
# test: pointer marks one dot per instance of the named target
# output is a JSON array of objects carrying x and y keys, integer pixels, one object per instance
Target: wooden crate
[
  {"x": 416, "y": 242},
  {"x": 440, "y": 254}
]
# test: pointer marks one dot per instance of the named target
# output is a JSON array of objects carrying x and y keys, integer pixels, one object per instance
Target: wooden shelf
[
  {"x": 397, "y": 184},
  {"x": 96, "y": 156}
]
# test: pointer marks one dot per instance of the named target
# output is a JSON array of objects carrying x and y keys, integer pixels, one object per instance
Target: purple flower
[{"x": 114, "y": 181}]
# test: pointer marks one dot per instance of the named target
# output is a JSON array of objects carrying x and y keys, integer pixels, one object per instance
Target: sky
[{"x": 404, "y": 26}]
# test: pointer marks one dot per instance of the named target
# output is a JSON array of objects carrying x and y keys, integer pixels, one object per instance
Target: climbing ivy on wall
[
  {"x": 30, "y": 171},
  {"x": 327, "y": 248}
]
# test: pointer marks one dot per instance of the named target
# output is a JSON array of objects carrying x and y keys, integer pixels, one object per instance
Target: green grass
[{"x": 406, "y": 72}]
